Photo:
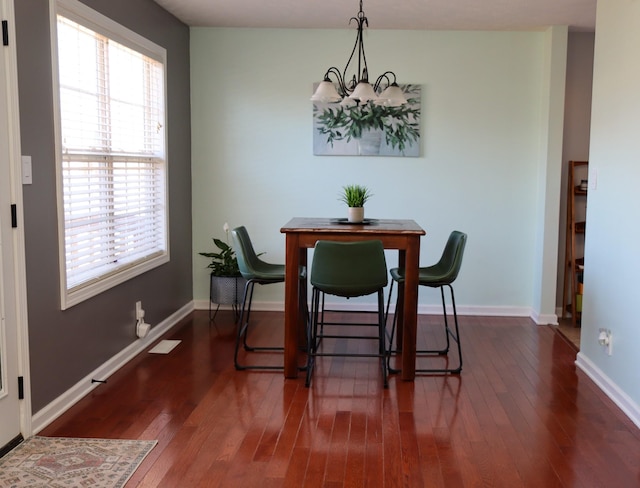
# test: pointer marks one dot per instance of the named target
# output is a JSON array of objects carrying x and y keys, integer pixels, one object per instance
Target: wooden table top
[{"x": 335, "y": 225}]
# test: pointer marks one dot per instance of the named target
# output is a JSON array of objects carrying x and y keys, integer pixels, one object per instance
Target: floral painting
[{"x": 368, "y": 129}]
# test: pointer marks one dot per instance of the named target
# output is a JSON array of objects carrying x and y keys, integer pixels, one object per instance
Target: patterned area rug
[{"x": 60, "y": 462}]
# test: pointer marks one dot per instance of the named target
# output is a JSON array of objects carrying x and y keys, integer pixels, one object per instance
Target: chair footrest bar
[
  {"x": 349, "y": 355},
  {"x": 329, "y": 336},
  {"x": 358, "y": 324},
  {"x": 257, "y": 367},
  {"x": 429, "y": 352},
  {"x": 450, "y": 371},
  {"x": 327, "y": 310},
  {"x": 263, "y": 348}
]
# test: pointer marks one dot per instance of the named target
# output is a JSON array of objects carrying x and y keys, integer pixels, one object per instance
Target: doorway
[
  {"x": 14, "y": 395},
  {"x": 575, "y": 147}
]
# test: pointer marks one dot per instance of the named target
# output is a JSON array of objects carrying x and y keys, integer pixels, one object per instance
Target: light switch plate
[{"x": 27, "y": 176}]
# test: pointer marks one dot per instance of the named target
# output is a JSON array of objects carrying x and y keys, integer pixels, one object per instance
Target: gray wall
[{"x": 67, "y": 345}]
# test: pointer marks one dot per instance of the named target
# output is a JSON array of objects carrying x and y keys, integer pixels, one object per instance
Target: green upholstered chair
[
  {"x": 347, "y": 269},
  {"x": 440, "y": 275},
  {"x": 255, "y": 271}
]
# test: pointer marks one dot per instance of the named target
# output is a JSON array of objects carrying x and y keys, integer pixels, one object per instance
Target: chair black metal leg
[
  {"x": 445, "y": 351},
  {"x": 243, "y": 331},
  {"x": 449, "y": 335},
  {"x": 393, "y": 332},
  {"x": 455, "y": 336},
  {"x": 241, "y": 328},
  {"x": 243, "y": 322},
  {"x": 315, "y": 333},
  {"x": 312, "y": 335},
  {"x": 390, "y": 351},
  {"x": 247, "y": 347},
  {"x": 386, "y": 313},
  {"x": 321, "y": 312},
  {"x": 382, "y": 332}
]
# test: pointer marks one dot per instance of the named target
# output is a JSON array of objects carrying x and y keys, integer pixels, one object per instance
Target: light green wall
[
  {"x": 485, "y": 143},
  {"x": 612, "y": 261},
  {"x": 550, "y": 172}
]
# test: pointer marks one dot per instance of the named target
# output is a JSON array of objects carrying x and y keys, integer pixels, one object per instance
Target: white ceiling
[{"x": 579, "y": 15}]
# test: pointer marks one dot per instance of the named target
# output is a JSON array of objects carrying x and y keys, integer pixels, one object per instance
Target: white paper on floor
[{"x": 164, "y": 347}]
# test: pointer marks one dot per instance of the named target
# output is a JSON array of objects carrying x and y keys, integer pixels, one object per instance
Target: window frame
[{"x": 87, "y": 17}]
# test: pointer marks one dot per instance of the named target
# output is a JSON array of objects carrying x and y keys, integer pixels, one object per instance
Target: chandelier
[{"x": 358, "y": 90}]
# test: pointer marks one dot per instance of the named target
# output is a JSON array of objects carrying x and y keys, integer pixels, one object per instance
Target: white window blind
[{"x": 113, "y": 168}]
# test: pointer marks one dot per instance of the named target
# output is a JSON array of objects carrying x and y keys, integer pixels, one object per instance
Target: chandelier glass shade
[{"x": 358, "y": 90}]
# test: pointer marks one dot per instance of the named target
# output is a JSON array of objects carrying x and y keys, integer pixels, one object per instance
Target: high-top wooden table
[{"x": 303, "y": 233}]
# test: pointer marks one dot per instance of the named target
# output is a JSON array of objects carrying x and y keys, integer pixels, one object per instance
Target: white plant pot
[{"x": 356, "y": 214}]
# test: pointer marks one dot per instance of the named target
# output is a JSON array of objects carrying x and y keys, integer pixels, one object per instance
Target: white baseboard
[
  {"x": 53, "y": 410},
  {"x": 485, "y": 311},
  {"x": 619, "y": 397},
  {"x": 544, "y": 319}
]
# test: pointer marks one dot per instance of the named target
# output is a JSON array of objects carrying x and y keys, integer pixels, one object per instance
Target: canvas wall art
[{"x": 368, "y": 129}]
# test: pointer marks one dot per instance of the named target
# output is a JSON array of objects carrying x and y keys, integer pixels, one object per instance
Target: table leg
[
  {"x": 291, "y": 306},
  {"x": 303, "y": 307},
  {"x": 399, "y": 312},
  {"x": 410, "y": 309}
]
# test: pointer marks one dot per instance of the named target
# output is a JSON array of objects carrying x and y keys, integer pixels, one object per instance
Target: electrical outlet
[
  {"x": 142, "y": 328},
  {"x": 605, "y": 338}
]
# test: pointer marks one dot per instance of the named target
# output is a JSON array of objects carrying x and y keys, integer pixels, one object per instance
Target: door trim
[
  {"x": 11, "y": 445},
  {"x": 20, "y": 274}
]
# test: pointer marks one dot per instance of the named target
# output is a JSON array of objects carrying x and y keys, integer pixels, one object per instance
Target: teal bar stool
[
  {"x": 256, "y": 271},
  {"x": 347, "y": 269},
  {"x": 440, "y": 275}
]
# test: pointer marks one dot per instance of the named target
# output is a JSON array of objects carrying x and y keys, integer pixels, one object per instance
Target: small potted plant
[
  {"x": 355, "y": 196},
  {"x": 226, "y": 283}
]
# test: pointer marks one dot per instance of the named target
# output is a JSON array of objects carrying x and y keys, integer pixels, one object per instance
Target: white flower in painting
[{"x": 226, "y": 227}]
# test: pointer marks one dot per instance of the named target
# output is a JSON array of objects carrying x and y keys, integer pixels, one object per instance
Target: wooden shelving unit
[{"x": 574, "y": 243}]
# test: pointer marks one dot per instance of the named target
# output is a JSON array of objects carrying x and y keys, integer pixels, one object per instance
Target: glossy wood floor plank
[{"x": 519, "y": 415}]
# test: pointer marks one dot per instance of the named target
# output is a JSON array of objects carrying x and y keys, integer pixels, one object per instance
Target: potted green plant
[
  {"x": 226, "y": 283},
  {"x": 355, "y": 196}
]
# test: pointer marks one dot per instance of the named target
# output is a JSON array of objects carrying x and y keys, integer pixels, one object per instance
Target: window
[{"x": 111, "y": 153}]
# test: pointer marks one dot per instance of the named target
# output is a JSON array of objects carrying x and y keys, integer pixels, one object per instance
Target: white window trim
[{"x": 82, "y": 14}]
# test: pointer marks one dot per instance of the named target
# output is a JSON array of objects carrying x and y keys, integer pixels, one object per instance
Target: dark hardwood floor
[{"x": 519, "y": 415}]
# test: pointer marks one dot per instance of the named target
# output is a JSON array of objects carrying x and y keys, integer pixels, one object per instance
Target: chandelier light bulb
[
  {"x": 363, "y": 92},
  {"x": 392, "y": 96},
  {"x": 326, "y": 93}
]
